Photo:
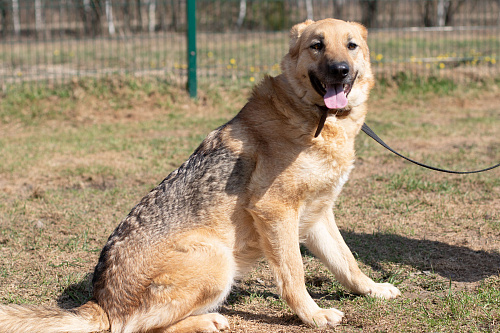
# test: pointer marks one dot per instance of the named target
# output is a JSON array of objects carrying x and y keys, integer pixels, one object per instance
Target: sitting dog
[{"x": 258, "y": 186}]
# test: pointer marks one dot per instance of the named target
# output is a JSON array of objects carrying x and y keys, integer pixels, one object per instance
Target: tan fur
[{"x": 258, "y": 186}]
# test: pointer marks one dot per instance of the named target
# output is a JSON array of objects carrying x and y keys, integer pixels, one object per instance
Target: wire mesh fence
[{"x": 60, "y": 40}]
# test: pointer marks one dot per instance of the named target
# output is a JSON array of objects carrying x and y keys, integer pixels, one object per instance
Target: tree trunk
[
  {"x": 369, "y": 12},
  {"x": 441, "y": 18},
  {"x": 139, "y": 15},
  {"x": 126, "y": 16},
  {"x": 338, "y": 8},
  {"x": 242, "y": 14},
  {"x": 174, "y": 16},
  {"x": 15, "y": 17},
  {"x": 39, "y": 23},
  {"x": 109, "y": 17},
  {"x": 309, "y": 10},
  {"x": 151, "y": 16}
]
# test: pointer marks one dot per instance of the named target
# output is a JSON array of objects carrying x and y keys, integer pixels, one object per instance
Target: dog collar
[{"x": 324, "y": 113}]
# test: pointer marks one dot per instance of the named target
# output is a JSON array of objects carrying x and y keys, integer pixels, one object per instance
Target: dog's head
[{"x": 328, "y": 63}]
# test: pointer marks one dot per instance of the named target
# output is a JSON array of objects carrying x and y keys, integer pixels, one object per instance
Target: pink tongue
[{"x": 335, "y": 97}]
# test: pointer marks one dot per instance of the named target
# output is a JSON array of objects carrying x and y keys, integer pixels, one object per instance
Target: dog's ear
[
  {"x": 362, "y": 30},
  {"x": 295, "y": 34}
]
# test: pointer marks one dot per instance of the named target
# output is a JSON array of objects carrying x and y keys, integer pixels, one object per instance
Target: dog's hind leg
[
  {"x": 192, "y": 277},
  {"x": 325, "y": 241}
]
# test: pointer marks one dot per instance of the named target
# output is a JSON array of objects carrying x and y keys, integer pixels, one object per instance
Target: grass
[{"x": 75, "y": 159}]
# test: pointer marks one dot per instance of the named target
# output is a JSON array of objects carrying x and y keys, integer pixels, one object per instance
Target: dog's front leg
[
  {"x": 324, "y": 240},
  {"x": 280, "y": 242}
]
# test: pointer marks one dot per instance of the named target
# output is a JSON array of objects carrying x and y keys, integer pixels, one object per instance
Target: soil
[{"x": 431, "y": 242}]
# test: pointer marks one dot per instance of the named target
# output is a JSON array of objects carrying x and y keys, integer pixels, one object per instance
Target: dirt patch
[{"x": 436, "y": 236}]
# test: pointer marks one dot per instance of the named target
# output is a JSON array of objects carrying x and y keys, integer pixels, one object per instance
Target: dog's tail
[{"x": 89, "y": 317}]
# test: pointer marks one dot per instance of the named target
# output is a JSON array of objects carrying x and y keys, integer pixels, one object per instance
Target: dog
[{"x": 258, "y": 186}]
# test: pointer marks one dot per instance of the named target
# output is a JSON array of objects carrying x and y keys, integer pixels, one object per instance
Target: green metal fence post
[{"x": 191, "y": 45}]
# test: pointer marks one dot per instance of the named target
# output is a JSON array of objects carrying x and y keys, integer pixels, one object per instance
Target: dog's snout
[{"x": 339, "y": 70}]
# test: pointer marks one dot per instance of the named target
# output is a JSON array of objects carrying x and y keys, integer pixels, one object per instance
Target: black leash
[{"x": 375, "y": 137}]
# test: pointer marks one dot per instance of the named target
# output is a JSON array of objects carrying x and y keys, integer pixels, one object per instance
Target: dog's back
[
  {"x": 195, "y": 202},
  {"x": 202, "y": 194}
]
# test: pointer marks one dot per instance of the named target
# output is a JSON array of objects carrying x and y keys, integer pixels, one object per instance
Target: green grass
[{"x": 74, "y": 168}]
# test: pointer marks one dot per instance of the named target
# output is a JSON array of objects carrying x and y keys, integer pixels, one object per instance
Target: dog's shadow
[{"x": 456, "y": 263}]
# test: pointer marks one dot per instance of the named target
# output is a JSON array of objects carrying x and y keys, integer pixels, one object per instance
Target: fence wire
[{"x": 62, "y": 40}]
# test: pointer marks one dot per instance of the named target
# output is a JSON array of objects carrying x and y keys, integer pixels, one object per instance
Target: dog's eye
[
  {"x": 352, "y": 46},
  {"x": 317, "y": 46}
]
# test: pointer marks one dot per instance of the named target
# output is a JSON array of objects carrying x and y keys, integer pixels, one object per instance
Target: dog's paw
[
  {"x": 215, "y": 322},
  {"x": 208, "y": 323},
  {"x": 326, "y": 317},
  {"x": 384, "y": 290}
]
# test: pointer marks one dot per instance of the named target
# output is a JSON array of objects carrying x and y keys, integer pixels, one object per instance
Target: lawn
[{"x": 76, "y": 159}]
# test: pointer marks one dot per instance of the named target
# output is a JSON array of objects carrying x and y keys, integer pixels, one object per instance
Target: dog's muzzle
[{"x": 334, "y": 92}]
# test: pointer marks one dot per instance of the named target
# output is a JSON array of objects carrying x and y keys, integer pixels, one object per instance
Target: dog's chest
[
  {"x": 322, "y": 176},
  {"x": 324, "y": 167},
  {"x": 315, "y": 206}
]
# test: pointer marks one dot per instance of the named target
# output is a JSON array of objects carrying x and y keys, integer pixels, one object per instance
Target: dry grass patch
[{"x": 75, "y": 160}]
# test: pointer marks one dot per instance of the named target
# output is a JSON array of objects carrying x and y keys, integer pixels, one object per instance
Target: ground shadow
[
  {"x": 76, "y": 294},
  {"x": 282, "y": 320},
  {"x": 457, "y": 263}
]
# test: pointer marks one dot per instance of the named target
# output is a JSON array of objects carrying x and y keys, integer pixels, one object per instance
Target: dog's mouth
[{"x": 334, "y": 94}]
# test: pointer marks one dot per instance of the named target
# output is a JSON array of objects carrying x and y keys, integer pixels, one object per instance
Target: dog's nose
[{"x": 339, "y": 70}]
